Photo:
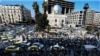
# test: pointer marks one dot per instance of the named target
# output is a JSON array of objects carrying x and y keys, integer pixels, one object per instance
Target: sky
[{"x": 93, "y": 4}]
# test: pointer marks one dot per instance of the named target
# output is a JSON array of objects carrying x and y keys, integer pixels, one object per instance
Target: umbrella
[{"x": 89, "y": 47}]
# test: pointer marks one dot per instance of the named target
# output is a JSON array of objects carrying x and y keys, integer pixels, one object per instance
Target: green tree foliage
[
  {"x": 89, "y": 28},
  {"x": 92, "y": 28},
  {"x": 40, "y": 19},
  {"x": 48, "y": 28},
  {"x": 98, "y": 34}
]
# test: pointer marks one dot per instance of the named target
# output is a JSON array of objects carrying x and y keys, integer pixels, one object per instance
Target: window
[
  {"x": 14, "y": 11},
  {"x": 7, "y": 21},
  {"x": 55, "y": 24},
  {"x": 55, "y": 20},
  {"x": 2, "y": 14},
  {"x": 80, "y": 17},
  {"x": 79, "y": 21},
  {"x": 80, "y": 11},
  {"x": 62, "y": 20},
  {"x": 80, "y": 14}
]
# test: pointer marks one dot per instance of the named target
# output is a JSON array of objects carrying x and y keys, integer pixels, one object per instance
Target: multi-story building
[
  {"x": 14, "y": 13},
  {"x": 96, "y": 20},
  {"x": 61, "y": 13},
  {"x": 89, "y": 17},
  {"x": 0, "y": 20},
  {"x": 75, "y": 19}
]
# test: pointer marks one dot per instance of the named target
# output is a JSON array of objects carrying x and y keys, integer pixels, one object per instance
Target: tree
[
  {"x": 37, "y": 16},
  {"x": 33, "y": 21},
  {"x": 48, "y": 28},
  {"x": 40, "y": 19},
  {"x": 36, "y": 7},
  {"x": 30, "y": 21},
  {"x": 92, "y": 28},
  {"x": 89, "y": 28},
  {"x": 45, "y": 7},
  {"x": 44, "y": 16},
  {"x": 98, "y": 34}
]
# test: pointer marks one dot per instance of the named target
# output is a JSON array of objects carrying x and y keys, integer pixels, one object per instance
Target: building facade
[
  {"x": 65, "y": 5},
  {"x": 89, "y": 17},
  {"x": 76, "y": 19},
  {"x": 61, "y": 13},
  {"x": 57, "y": 12},
  {"x": 56, "y": 19},
  {"x": 96, "y": 20},
  {"x": 0, "y": 20},
  {"x": 14, "y": 13}
]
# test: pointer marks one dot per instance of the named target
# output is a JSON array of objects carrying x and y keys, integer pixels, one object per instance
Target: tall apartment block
[{"x": 14, "y": 13}]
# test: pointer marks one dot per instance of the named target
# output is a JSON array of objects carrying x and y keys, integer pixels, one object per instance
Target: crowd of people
[
  {"x": 32, "y": 45},
  {"x": 55, "y": 47}
]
